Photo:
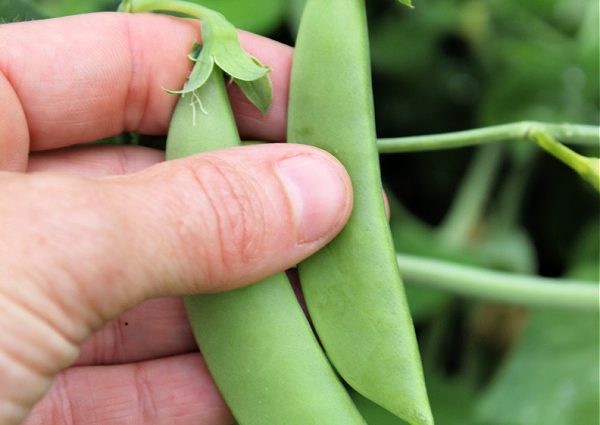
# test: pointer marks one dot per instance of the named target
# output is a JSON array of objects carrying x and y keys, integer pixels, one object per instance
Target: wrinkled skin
[{"x": 98, "y": 240}]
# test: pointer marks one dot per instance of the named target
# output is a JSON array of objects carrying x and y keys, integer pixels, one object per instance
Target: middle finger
[{"x": 156, "y": 328}]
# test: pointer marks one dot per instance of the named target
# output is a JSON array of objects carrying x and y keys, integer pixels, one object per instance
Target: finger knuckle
[{"x": 233, "y": 216}]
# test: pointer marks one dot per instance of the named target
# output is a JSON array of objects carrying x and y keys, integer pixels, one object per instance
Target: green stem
[
  {"x": 472, "y": 196},
  {"x": 585, "y": 135},
  {"x": 185, "y": 7},
  {"x": 498, "y": 286},
  {"x": 588, "y": 168},
  {"x": 505, "y": 212}
]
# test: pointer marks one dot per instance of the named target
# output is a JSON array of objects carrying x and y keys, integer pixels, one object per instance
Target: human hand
[{"x": 94, "y": 231}]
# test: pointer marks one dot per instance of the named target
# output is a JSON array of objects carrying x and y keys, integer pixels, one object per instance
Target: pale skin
[{"x": 98, "y": 241}]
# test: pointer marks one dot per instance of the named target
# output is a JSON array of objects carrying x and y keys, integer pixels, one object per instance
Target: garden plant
[{"x": 494, "y": 229}]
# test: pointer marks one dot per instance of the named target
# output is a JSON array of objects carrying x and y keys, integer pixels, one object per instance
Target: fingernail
[{"x": 319, "y": 193}]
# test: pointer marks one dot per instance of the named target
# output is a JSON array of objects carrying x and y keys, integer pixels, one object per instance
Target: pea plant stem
[
  {"x": 177, "y": 6},
  {"x": 469, "y": 203},
  {"x": 588, "y": 168},
  {"x": 575, "y": 134},
  {"x": 532, "y": 291},
  {"x": 505, "y": 214}
]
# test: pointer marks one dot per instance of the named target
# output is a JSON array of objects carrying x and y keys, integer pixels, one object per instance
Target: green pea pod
[
  {"x": 256, "y": 341},
  {"x": 352, "y": 287}
]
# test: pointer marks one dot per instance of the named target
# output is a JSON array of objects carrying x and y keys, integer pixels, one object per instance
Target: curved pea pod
[
  {"x": 256, "y": 341},
  {"x": 264, "y": 359},
  {"x": 352, "y": 287}
]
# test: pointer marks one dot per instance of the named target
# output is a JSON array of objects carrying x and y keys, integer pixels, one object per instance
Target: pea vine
[
  {"x": 220, "y": 47},
  {"x": 512, "y": 288},
  {"x": 468, "y": 205},
  {"x": 544, "y": 135}
]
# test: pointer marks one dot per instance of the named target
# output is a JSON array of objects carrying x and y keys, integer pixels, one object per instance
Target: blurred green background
[{"x": 457, "y": 64}]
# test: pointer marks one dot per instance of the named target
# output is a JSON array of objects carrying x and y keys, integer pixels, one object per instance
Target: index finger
[{"x": 81, "y": 78}]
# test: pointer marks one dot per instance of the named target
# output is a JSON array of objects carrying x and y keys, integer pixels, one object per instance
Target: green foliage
[
  {"x": 260, "y": 16},
  {"x": 221, "y": 47},
  {"x": 69, "y": 7},
  {"x": 18, "y": 10},
  {"x": 551, "y": 377},
  {"x": 452, "y": 65},
  {"x": 453, "y": 401}
]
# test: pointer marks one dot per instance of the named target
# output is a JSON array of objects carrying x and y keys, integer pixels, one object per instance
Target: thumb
[{"x": 82, "y": 251}]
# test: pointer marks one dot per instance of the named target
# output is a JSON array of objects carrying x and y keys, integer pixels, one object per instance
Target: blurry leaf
[
  {"x": 505, "y": 249},
  {"x": 551, "y": 378},
  {"x": 522, "y": 152},
  {"x": 422, "y": 62},
  {"x": 509, "y": 250},
  {"x": 57, "y": 8},
  {"x": 586, "y": 255},
  {"x": 294, "y": 14},
  {"x": 542, "y": 9},
  {"x": 567, "y": 346},
  {"x": 18, "y": 10},
  {"x": 412, "y": 236},
  {"x": 537, "y": 63},
  {"x": 259, "y": 16},
  {"x": 588, "y": 56},
  {"x": 393, "y": 48},
  {"x": 530, "y": 70},
  {"x": 425, "y": 302},
  {"x": 505, "y": 241},
  {"x": 452, "y": 401}
]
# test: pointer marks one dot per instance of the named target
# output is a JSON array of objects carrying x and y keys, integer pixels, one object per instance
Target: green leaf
[
  {"x": 221, "y": 46},
  {"x": 452, "y": 400},
  {"x": 200, "y": 73},
  {"x": 244, "y": 13},
  {"x": 259, "y": 92},
  {"x": 222, "y": 43},
  {"x": 552, "y": 376},
  {"x": 583, "y": 262},
  {"x": 425, "y": 302},
  {"x": 18, "y": 10},
  {"x": 57, "y": 8},
  {"x": 509, "y": 249}
]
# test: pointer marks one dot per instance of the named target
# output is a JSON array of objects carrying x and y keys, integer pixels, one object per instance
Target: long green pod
[
  {"x": 256, "y": 341},
  {"x": 352, "y": 287}
]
